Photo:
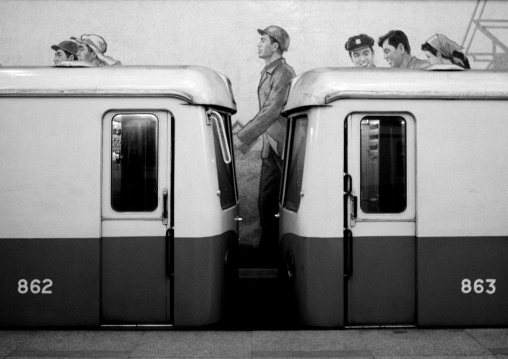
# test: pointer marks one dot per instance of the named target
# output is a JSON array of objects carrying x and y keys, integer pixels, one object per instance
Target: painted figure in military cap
[
  {"x": 397, "y": 51},
  {"x": 65, "y": 51},
  {"x": 360, "y": 50},
  {"x": 271, "y": 126}
]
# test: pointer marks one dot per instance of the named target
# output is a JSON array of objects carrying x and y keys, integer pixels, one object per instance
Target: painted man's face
[
  {"x": 363, "y": 57},
  {"x": 85, "y": 53},
  {"x": 60, "y": 56},
  {"x": 393, "y": 54},
  {"x": 265, "y": 47}
]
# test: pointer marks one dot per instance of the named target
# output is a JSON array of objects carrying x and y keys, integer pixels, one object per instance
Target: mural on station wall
[
  {"x": 487, "y": 30},
  {"x": 88, "y": 50},
  {"x": 478, "y": 33},
  {"x": 484, "y": 44}
]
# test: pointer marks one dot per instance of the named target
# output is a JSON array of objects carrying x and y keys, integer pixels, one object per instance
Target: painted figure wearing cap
[
  {"x": 441, "y": 50},
  {"x": 65, "y": 51},
  {"x": 397, "y": 51},
  {"x": 271, "y": 125},
  {"x": 91, "y": 49},
  {"x": 360, "y": 50}
]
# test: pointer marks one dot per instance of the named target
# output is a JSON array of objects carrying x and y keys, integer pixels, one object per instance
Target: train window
[
  {"x": 134, "y": 163},
  {"x": 296, "y": 156},
  {"x": 225, "y": 171},
  {"x": 383, "y": 178}
]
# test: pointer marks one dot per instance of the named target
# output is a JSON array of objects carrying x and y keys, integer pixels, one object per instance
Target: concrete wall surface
[{"x": 221, "y": 34}]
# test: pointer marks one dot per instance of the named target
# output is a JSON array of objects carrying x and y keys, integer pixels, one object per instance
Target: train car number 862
[{"x": 35, "y": 286}]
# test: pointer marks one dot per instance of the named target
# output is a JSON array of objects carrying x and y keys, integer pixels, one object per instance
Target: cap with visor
[
  {"x": 68, "y": 46},
  {"x": 279, "y": 34},
  {"x": 359, "y": 41}
]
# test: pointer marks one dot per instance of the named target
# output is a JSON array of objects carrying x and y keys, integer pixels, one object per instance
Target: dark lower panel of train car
[
  {"x": 49, "y": 282},
  {"x": 463, "y": 281},
  {"x": 316, "y": 275},
  {"x": 135, "y": 288},
  {"x": 202, "y": 266},
  {"x": 137, "y": 273},
  {"x": 382, "y": 287}
]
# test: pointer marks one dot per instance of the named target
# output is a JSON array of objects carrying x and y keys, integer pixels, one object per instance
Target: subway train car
[
  {"x": 118, "y": 199},
  {"x": 394, "y": 203}
]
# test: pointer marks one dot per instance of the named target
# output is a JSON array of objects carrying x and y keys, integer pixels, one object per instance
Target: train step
[
  {"x": 258, "y": 273},
  {"x": 252, "y": 257},
  {"x": 258, "y": 299}
]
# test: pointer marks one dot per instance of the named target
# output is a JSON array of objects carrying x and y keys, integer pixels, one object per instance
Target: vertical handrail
[
  {"x": 348, "y": 253},
  {"x": 224, "y": 146},
  {"x": 348, "y": 234},
  {"x": 165, "y": 206}
]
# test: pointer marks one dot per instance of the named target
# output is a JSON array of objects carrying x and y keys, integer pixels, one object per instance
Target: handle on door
[
  {"x": 165, "y": 206},
  {"x": 354, "y": 215},
  {"x": 348, "y": 184},
  {"x": 348, "y": 195},
  {"x": 348, "y": 253}
]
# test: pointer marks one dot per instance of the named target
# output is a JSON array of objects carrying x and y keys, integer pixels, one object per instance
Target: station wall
[{"x": 221, "y": 34}]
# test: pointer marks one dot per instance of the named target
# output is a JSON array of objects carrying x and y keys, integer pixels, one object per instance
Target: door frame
[
  {"x": 367, "y": 230},
  {"x": 140, "y": 230}
]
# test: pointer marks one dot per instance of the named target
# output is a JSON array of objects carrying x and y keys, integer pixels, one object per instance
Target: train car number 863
[{"x": 478, "y": 286}]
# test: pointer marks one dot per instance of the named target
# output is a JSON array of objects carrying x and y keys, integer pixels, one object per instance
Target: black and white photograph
[{"x": 253, "y": 179}]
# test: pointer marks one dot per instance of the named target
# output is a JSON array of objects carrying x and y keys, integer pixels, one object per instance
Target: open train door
[
  {"x": 136, "y": 218},
  {"x": 380, "y": 242}
]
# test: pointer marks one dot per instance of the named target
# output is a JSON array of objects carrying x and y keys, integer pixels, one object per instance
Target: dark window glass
[
  {"x": 296, "y": 157},
  {"x": 134, "y": 163},
  {"x": 383, "y": 164},
  {"x": 224, "y": 170}
]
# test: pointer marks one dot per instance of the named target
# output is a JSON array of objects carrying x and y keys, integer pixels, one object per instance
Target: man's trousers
[{"x": 268, "y": 203}]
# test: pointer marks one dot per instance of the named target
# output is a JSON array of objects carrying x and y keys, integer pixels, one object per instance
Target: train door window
[
  {"x": 225, "y": 171},
  {"x": 383, "y": 179},
  {"x": 297, "y": 143},
  {"x": 134, "y": 167}
]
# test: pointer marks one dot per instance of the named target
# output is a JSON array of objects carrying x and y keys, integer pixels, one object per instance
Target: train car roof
[
  {"x": 320, "y": 87},
  {"x": 194, "y": 84}
]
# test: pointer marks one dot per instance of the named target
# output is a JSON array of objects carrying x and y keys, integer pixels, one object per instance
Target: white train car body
[
  {"x": 395, "y": 198},
  {"x": 117, "y": 205}
]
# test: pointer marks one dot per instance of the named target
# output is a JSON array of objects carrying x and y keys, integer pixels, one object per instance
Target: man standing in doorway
[
  {"x": 271, "y": 125},
  {"x": 397, "y": 51}
]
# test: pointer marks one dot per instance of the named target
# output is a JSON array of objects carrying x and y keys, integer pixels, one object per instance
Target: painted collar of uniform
[
  {"x": 273, "y": 65},
  {"x": 412, "y": 61},
  {"x": 415, "y": 61}
]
